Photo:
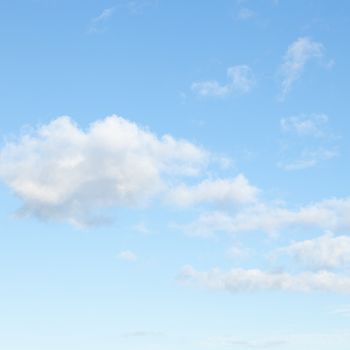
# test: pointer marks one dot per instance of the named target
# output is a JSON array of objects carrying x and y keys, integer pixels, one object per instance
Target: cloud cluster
[
  {"x": 250, "y": 280},
  {"x": 65, "y": 173},
  {"x": 241, "y": 79}
]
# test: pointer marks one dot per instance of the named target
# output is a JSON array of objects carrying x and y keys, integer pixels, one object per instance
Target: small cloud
[
  {"x": 298, "y": 54},
  {"x": 104, "y": 16},
  {"x": 309, "y": 159},
  {"x": 128, "y": 256},
  {"x": 245, "y": 14},
  {"x": 238, "y": 252},
  {"x": 307, "y": 141},
  {"x": 343, "y": 310},
  {"x": 142, "y": 334},
  {"x": 142, "y": 228},
  {"x": 258, "y": 344},
  {"x": 313, "y": 125},
  {"x": 241, "y": 80}
]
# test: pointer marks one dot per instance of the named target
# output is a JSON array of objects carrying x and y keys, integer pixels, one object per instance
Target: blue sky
[{"x": 174, "y": 175}]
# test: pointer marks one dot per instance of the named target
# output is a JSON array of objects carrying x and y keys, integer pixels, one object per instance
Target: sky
[{"x": 173, "y": 175}]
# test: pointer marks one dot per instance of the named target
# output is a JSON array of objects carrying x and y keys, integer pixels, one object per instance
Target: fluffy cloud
[
  {"x": 324, "y": 252},
  {"x": 299, "y": 53},
  {"x": 331, "y": 214},
  {"x": 242, "y": 280},
  {"x": 65, "y": 173},
  {"x": 241, "y": 79},
  {"x": 223, "y": 191}
]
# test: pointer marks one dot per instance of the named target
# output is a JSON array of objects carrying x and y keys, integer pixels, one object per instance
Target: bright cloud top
[
  {"x": 241, "y": 80},
  {"x": 62, "y": 172},
  {"x": 299, "y": 53}
]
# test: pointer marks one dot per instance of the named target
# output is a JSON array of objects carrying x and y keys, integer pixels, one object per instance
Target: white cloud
[
  {"x": 64, "y": 173},
  {"x": 306, "y": 125},
  {"x": 324, "y": 252},
  {"x": 331, "y": 214},
  {"x": 299, "y": 53},
  {"x": 223, "y": 191},
  {"x": 241, "y": 79},
  {"x": 244, "y": 280},
  {"x": 128, "y": 256}
]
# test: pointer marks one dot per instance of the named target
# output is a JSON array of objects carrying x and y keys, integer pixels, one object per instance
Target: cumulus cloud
[
  {"x": 299, "y": 53},
  {"x": 128, "y": 256},
  {"x": 324, "y": 252},
  {"x": 331, "y": 214},
  {"x": 223, "y": 191},
  {"x": 241, "y": 80},
  {"x": 65, "y": 173},
  {"x": 252, "y": 280}
]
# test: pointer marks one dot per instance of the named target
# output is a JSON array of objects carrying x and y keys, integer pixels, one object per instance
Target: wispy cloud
[
  {"x": 343, "y": 310},
  {"x": 246, "y": 14},
  {"x": 241, "y": 80},
  {"x": 306, "y": 142},
  {"x": 298, "y": 54},
  {"x": 306, "y": 125},
  {"x": 254, "y": 280},
  {"x": 127, "y": 255},
  {"x": 234, "y": 341},
  {"x": 308, "y": 159},
  {"x": 97, "y": 23},
  {"x": 331, "y": 214}
]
